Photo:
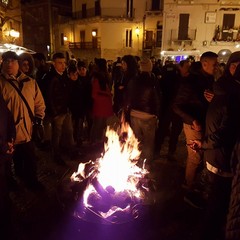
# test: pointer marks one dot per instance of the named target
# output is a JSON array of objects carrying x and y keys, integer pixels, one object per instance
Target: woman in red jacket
[{"x": 102, "y": 100}]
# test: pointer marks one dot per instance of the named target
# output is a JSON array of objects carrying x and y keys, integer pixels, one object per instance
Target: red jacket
[{"x": 102, "y": 100}]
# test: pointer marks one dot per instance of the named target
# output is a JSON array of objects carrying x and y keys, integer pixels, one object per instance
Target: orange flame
[{"x": 116, "y": 168}]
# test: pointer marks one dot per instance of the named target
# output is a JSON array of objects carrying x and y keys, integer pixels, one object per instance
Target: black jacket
[
  {"x": 80, "y": 100},
  {"x": 56, "y": 91},
  {"x": 7, "y": 126},
  {"x": 190, "y": 103},
  {"x": 233, "y": 217},
  {"x": 143, "y": 94},
  {"x": 222, "y": 123}
]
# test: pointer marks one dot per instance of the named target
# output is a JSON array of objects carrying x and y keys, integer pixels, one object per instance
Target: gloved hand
[{"x": 38, "y": 131}]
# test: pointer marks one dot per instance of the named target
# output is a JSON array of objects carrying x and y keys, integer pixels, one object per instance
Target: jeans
[
  {"x": 98, "y": 128},
  {"x": 4, "y": 196},
  {"x": 213, "y": 224},
  {"x": 25, "y": 162},
  {"x": 144, "y": 130},
  {"x": 194, "y": 159},
  {"x": 62, "y": 133}
]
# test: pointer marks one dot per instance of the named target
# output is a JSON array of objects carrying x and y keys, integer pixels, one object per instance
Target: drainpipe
[
  {"x": 143, "y": 37},
  {"x": 50, "y": 26}
]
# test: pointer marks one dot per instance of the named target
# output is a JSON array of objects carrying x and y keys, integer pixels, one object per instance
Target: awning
[
  {"x": 179, "y": 55},
  {"x": 4, "y": 47}
]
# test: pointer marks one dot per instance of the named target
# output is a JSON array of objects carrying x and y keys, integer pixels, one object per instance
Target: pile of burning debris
[{"x": 115, "y": 187}]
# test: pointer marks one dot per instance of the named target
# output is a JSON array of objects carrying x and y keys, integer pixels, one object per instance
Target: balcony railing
[
  {"x": 105, "y": 12},
  {"x": 229, "y": 35},
  {"x": 85, "y": 45},
  {"x": 151, "y": 44},
  {"x": 176, "y": 39}
]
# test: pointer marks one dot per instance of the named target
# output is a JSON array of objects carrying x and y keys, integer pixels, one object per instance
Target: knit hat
[
  {"x": 234, "y": 57},
  {"x": 9, "y": 55},
  {"x": 146, "y": 65},
  {"x": 81, "y": 64}
]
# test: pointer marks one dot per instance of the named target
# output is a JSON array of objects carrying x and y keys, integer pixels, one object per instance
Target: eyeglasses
[{"x": 10, "y": 60}]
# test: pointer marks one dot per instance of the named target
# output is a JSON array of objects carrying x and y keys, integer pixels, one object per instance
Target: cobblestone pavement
[{"x": 41, "y": 215}]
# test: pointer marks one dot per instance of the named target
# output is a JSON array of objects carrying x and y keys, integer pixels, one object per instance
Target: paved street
[{"x": 44, "y": 216}]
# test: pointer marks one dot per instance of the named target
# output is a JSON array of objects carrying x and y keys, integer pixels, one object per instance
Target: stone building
[{"x": 10, "y": 22}]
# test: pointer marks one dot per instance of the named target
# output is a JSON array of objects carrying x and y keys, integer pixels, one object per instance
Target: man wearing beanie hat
[
  {"x": 146, "y": 65},
  {"x": 24, "y": 156},
  {"x": 144, "y": 104}
]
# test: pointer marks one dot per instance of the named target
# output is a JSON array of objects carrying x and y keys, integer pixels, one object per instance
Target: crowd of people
[{"x": 58, "y": 106}]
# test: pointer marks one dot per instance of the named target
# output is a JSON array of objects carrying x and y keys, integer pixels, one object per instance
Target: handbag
[{"x": 38, "y": 129}]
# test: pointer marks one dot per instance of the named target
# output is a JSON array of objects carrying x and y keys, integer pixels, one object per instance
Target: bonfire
[{"x": 112, "y": 188}]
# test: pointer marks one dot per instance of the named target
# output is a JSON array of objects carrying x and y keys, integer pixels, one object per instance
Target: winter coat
[
  {"x": 233, "y": 218},
  {"x": 190, "y": 103},
  {"x": 33, "y": 95},
  {"x": 7, "y": 127},
  {"x": 80, "y": 101},
  {"x": 143, "y": 94},
  {"x": 102, "y": 100},
  {"x": 221, "y": 125},
  {"x": 56, "y": 91}
]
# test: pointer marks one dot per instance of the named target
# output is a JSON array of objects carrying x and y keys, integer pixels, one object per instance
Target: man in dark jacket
[
  {"x": 145, "y": 107},
  {"x": 56, "y": 90},
  {"x": 191, "y": 105},
  {"x": 80, "y": 103},
  {"x": 222, "y": 124},
  {"x": 7, "y": 137},
  {"x": 233, "y": 217}
]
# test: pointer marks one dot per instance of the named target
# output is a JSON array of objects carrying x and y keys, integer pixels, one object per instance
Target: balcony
[
  {"x": 85, "y": 45},
  {"x": 180, "y": 39},
  {"x": 151, "y": 44},
  {"x": 104, "y": 13},
  {"x": 227, "y": 35}
]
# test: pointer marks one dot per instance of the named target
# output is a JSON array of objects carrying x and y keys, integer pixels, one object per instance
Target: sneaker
[{"x": 194, "y": 200}]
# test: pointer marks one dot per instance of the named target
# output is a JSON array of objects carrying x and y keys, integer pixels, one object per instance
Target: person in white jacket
[{"x": 24, "y": 157}]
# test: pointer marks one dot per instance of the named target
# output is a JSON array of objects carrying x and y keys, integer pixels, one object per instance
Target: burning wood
[{"x": 114, "y": 185}]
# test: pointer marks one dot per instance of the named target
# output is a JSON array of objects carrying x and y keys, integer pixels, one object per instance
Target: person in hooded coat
[{"x": 222, "y": 126}]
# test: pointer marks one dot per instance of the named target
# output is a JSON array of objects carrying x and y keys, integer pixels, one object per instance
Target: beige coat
[{"x": 33, "y": 95}]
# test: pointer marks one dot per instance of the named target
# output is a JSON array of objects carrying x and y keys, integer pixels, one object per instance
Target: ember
[{"x": 114, "y": 186}]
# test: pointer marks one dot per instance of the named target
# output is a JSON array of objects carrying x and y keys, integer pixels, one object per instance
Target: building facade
[
  {"x": 41, "y": 20},
  {"x": 10, "y": 22},
  {"x": 202, "y": 25},
  {"x": 110, "y": 29}
]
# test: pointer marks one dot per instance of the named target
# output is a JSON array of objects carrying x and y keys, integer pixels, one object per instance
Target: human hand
[
  {"x": 208, "y": 94},
  {"x": 196, "y": 126},
  {"x": 195, "y": 145},
  {"x": 38, "y": 130},
  {"x": 10, "y": 147}
]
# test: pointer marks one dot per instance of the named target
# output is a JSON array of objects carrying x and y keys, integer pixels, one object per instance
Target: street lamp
[
  {"x": 137, "y": 31},
  {"x": 94, "y": 38},
  {"x": 94, "y": 33},
  {"x": 12, "y": 35}
]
